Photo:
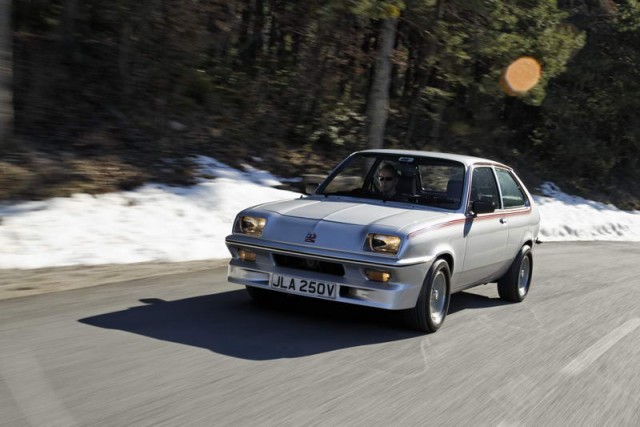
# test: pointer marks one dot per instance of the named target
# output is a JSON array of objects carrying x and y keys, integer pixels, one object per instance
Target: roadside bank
[{"x": 15, "y": 283}]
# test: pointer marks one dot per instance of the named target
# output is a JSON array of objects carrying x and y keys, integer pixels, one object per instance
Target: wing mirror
[{"x": 482, "y": 207}]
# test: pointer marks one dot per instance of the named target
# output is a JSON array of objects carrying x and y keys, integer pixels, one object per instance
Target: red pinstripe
[{"x": 502, "y": 214}]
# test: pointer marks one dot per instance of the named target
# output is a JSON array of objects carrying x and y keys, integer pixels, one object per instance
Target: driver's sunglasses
[{"x": 386, "y": 178}]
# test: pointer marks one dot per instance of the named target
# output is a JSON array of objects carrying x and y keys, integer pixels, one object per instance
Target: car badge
[{"x": 311, "y": 238}]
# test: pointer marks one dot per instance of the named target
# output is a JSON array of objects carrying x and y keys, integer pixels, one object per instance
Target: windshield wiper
[{"x": 357, "y": 195}]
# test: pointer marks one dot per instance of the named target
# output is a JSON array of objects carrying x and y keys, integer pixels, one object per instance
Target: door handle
[{"x": 503, "y": 220}]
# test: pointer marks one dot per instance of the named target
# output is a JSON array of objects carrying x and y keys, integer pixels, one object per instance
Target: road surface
[{"x": 191, "y": 349}]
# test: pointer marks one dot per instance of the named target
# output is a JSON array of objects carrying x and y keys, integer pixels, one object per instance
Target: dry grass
[{"x": 31, "y": 173}]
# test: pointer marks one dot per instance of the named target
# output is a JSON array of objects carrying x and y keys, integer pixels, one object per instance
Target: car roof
[{"x": 466, "y": 160}]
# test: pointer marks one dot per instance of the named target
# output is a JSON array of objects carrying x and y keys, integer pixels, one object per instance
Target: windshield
[{"x": 411, "y": 179}]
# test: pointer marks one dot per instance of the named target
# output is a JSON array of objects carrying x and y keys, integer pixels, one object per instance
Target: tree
[
  {"x": 455, "y": 97},
  {"x": 377, "y": 108},
  {"x": 6, "y": 73},
  {"x": 588, "y": 127},
  {"x": 378, "y": 103}
]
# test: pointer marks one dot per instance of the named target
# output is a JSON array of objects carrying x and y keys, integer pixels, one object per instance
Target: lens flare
[{"x": 521, "y": 76}]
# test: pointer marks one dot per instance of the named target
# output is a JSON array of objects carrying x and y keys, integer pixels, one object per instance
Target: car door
[
  {"x": 517, "y": 210},
  {"x": 486, "y": 235}
]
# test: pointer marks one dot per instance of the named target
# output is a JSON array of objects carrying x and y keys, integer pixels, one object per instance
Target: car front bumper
[{"x": 346, "y": 270}]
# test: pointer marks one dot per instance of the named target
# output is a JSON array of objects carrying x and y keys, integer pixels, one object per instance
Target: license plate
[{"x": 296, "y": 285}]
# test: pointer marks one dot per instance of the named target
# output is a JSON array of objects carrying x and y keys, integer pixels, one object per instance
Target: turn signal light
[
  {"x": 377, "y": 275},
  {"x": 246, "y": 255}
]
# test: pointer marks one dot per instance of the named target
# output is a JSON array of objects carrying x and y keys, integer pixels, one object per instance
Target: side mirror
[
  {"x": 311, "y": 188},
  {"x": 482, "y": 207}
]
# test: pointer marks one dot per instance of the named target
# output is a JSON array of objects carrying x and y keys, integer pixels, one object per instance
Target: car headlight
[
  {"x": 252, "y": 225},
  {"x": 383, "y": 243}
]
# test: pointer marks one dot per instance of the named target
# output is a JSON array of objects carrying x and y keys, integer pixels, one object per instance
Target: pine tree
[{"x": 6, "y": 73}]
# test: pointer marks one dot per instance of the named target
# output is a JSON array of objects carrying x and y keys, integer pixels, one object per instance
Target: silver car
[{"x": 395, "y": 230}]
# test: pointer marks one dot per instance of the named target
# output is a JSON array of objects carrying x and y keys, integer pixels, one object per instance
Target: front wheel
[
  {"x": 514, "y": 285},
  {"x": 433, "y": 302}
]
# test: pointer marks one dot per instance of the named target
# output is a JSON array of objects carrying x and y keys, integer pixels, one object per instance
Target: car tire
[
  {"x": 433, "y": 302},
  {"x": 514, "y": 285},
  {"x": 263, "y": 296}
]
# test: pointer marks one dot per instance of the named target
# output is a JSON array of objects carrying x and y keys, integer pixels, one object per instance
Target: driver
[{"x": 387, "y": 180}]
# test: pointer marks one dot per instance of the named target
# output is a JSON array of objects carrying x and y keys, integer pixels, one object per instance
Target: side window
[
  {"x": 484, "y": 187},
  {"x": 512, "y": 194}
]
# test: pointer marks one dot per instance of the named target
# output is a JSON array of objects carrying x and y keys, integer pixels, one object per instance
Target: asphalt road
[{"x": 191, "y": 349}]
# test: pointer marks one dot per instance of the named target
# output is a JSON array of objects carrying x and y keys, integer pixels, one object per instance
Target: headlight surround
[
  {"x": 251, "y": 225},
  {"x": 383, "y": 243}
]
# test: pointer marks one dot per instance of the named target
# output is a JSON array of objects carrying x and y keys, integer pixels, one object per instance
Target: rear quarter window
[{"x": 512, "y": 194}]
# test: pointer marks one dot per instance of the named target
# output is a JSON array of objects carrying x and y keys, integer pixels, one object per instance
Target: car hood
[
  {"x": 340, "y": 224},
  {"x": 357, "y": 213}
]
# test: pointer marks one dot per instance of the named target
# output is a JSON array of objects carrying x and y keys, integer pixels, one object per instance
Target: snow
[{"x": 173, "y": 224}]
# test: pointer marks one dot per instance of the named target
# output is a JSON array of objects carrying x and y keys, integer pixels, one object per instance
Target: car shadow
[
  {"x": 469, "y": 301},
  {"x": 230, "y": 323}
]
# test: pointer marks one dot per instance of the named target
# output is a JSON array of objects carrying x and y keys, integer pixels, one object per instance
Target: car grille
[{"x": 309, "y": 264}]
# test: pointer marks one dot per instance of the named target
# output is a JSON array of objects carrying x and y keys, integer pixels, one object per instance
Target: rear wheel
[
  {"x": 433, "y": 302},
  {"x": 514, "y": 285}
]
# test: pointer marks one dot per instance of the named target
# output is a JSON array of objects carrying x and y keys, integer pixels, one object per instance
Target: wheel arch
[{"x": 449, "y": 259}]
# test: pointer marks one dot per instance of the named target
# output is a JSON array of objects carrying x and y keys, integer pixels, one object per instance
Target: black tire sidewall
[
  {"x": 508, "y": 285},
  {"x": 526, "y": 252},
  {"x": 424, "y": 300},
  {"x": 444, "y": 266}
]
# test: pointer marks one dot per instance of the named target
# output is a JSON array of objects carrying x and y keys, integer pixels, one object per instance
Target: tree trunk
[
  {"x": 258, "y": 29},
  {"x": 69, "y": 11},
  {"x": 378, "y": 105},
  {"x": 420, "y": 77},
  {"x": 6, "y": 73},
  {"x": 124, "y": 66}
]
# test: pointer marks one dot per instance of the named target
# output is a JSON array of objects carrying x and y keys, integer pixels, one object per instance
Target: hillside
[{"x": 110, "y": 96}]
